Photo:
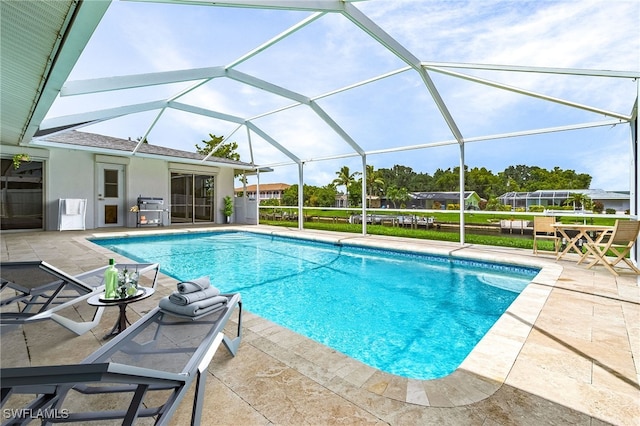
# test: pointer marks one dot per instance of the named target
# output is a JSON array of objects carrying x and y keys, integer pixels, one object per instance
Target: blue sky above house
[{"x": 332, "y": 53}]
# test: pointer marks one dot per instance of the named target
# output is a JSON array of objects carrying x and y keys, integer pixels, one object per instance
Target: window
[{"x": 21, "y": 204}]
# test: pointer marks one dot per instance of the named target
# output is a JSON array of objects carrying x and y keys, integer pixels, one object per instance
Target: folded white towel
[
  {"x": 187, "y": 298},
  {"x": 73, "y": 206},
  {"x": 198, "y": 284},
  {"x": 194, "y": 309}
]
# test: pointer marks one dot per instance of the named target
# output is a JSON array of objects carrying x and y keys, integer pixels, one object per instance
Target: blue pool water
[{"x": 408, "y": 314}]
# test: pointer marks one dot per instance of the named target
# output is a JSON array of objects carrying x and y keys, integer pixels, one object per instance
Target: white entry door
[{"x": 111, "y": 211}]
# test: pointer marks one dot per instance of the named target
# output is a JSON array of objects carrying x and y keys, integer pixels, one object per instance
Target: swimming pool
[{"x": 408, "y": 314}]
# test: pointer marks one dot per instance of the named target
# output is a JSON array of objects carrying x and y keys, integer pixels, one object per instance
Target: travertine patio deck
[{"x": 566, "y": 352}]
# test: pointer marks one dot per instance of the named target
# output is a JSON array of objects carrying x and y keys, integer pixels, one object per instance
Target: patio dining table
[{"x": 583, "y": 232}]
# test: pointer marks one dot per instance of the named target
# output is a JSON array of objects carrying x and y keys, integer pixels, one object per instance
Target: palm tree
[
  {"x": 403, "y": 197},
  {"x": 392, "y": 195},
  {"x": 374, "y": 183},
  {"x": 345, "y": 178},
  {"x": 578, "y": 198}
]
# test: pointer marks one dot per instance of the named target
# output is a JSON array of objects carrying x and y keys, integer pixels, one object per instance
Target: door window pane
[{"x": 111, "y": 183}]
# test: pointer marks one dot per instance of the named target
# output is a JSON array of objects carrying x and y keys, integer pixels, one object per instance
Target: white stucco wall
[
  {"x": 224, "y": 187},
  {"x": 69, "y": 174},
  {"x": 73, "y": 174},
  {"x": 146, "y": 177}
]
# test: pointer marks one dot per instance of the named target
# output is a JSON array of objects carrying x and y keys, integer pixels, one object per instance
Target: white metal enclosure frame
[{"x": 318, "y": 9}]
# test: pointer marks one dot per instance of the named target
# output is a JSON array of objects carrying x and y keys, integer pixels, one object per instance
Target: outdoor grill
[{"x": 150, "y": 211}]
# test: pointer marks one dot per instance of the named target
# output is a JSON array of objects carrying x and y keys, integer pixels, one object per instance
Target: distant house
[
  {"x": 438, "y": 200},
  {"x": 341, "y": 201},
  {"x": 618, "y": 201},
  {"x": 268, "y": 191}
]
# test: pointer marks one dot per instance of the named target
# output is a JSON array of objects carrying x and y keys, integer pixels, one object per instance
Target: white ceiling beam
[
  {"x": 336, "y": 128},
  {"x": 206, "y": 112},
  {"x": 362, "y": 83},
  {"x": 106, "y": 84},
  {"x": 224, "y": 138},
  {"x": 303, "y": 5},
  {"x": 378, "y": 34},
  {"x": 531, "y": 93},
  {"x": 266, "y": 86},
  {"x": 455, "y": 142},
  {"x": 536, "y": 70},
  {"x": 533, "y": 132},
  {"x": 273, "y": 142},
  {"x": 100, "y": 115},
  {"x": 234, "y": 119},
  {"x": 278, "y": 90},
  {"x": 151, "y": 126},
  {"x": 276, "y": 39}
]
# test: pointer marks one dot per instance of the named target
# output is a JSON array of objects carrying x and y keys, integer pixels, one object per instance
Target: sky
[{"x": 332, "y": 53}]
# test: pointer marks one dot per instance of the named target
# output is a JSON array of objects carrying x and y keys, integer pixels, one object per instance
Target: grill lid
[{"x": 150, "y": 200}]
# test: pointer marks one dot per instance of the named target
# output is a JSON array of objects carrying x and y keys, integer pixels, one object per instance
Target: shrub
[
  {"x": 611, "y": 211},
  {"x": 536, "y": 209},
  {"x": 598, "y": 207}
]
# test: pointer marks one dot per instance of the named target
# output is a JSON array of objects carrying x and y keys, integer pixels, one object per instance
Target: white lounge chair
[{"x": 37, "y": 291}]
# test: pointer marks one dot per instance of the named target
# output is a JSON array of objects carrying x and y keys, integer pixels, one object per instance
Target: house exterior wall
[
  {"x": 73, "y": 174},
  {"x": 69, "y": 174},
  {"x": 224, "y": 187},
  {"x": 146, "y": 177}
]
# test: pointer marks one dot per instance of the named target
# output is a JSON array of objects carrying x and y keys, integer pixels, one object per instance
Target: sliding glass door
[{"x": 192, "y": 198}]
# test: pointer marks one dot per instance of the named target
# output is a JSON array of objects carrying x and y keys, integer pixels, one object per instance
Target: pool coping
[{"x": 480, "y": 374}]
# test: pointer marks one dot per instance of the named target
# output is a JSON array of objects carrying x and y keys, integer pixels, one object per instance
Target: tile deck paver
[{"x": 566, "y": 352}]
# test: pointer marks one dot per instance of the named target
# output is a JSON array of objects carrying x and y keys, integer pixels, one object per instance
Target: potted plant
[
  {"x": 19, "y": 158},
  {"x": 227, "y": 209}
]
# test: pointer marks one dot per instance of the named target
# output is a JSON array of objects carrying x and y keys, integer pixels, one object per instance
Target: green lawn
[
  {"x": 321, "y": 219},
  {"x": 493, "y": 240}
]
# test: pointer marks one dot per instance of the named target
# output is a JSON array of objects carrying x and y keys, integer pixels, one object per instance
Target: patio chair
[
  {"x": 36, "y": 291},
  {"x": 543, "y": 229},
  {"x": 143, "y": 372},
  {"x": 619, "y": 241}
]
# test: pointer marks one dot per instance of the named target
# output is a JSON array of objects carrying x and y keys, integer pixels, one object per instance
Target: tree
[
  {"x": 398, "y": 195},
  {"x": 313, "y": 196},
  {"x": 446, "y": 180},
  {"x": 400, "y": 177},
  {"x": 218, "y": 149},
  {"x": 483, "y": 182},
  {"x": 345, "y": 178},
  {"x": 375, "y": 183},
  {"x": 290, "y": 196},
  {"x": 577, "y": 198}
]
